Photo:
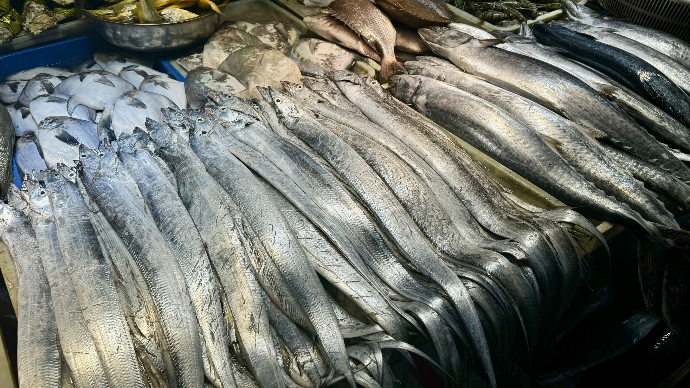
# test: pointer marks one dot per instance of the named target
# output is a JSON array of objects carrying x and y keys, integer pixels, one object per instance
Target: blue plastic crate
[{"x": 66, "y": 53}]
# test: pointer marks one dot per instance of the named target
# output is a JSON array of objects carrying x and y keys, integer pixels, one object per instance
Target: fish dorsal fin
[
  {"x": 82, "y": 76},
  {"x": 48, "y": 86},
  {"x": 105, "y": 81},
  {"x": 25, "y": 112},
  {"x": 14, "y": 86}
]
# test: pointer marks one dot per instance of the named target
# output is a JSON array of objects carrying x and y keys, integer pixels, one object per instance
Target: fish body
[
  {"x": 373, "y": 26},
  {"x": 228, "y": 252},
  {"x": 191, "y": 62},
  {"x": 98, "y": 91},
  {"x": 38, "y": 356},
  {"x": 202, "y": 81},
  {"x": 11, "y": 90},
  {"x": 70, "y": 85},
  {"x": 417, "y": 13},
  {"x": 134, "y": 74},
  {"x": 76, "y": 345},
  {"x": 225, "y": 41},
  {"x": 123, "y": 206},
  {"x": 649, "y": 115},
  {"x": 315, "y": 57},
  {"x": 60, "y": 138},
  {"x": 40, "y": 85},
  {"x": 163, "y": 85},
  {"x": 407, "y": 40},
  {"x": 280, "y": 36},
  {"x": 7, "y": 136},
  {"x": 332, "y": 29},
  {"x": 677, "y": 72},
  {"x": 626, "y": 68},
  {"x": 130, "y": 110},
  {"x": 260, "y": 66},
  {"x": 22, "y": 120},
  {"x": 56, "y": 106},
  {"x": 88, "y": 269},
  {"x": 28, "y": 156},
  {"x": 90, "y": 65},
  {"x": 26, "y": 75},
  {"x": 554, "y": 89},
  {"x": 658, "y": 40}
]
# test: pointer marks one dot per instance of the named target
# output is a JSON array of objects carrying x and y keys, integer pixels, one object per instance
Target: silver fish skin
[
  {"x": 90, "y": 65},
  {"x": 333, "y": 267},
  {"x": 228, "y": 251},
  {"x": 449, "y": 166},
  {"x": 124, "y": 209},
  {"x": 655, "y": 120},
  {"x": 26, "y": 75},
  {"x": 389, "y": 212},
  {"x": 56, "y": 105},
  {"x": 22, "y": 120},
  {"x": 92, "y": 280},
  {"x": 203, "y": 80},
  {"x": 98, "y": 90},
  {"x": 130, "y": 110},
  {"x": 165, "y": 86},
  {"x": 60, "y": 138},
  {"x": 332, "y": 29},
  {"x": 11, "y": 90},
  {"x": 554, "y": 89},
  {"x": 264, "y": 152},
  {"x": 658, "y": 40},
  {"x": 563, "y": 136},
  {"x": 69, "y": 85},
  {"x": 678, "y": 72},
  {"x": 76, "y": 345},
  {"x": 38, "y": 357},
  {"x": 275, "y": 233},
  {"x": 177, "y": 227},
  {"x": 657, "y": 180},
  {"x": 40, "y": 85},
  {"x": 28, "y": 156},
  {"x": 135, "y": 74}
]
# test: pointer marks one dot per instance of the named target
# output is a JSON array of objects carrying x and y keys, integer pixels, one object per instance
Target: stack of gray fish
[
  {"x": 609, "y": 145},
  {"x": 289, "y": 241}
]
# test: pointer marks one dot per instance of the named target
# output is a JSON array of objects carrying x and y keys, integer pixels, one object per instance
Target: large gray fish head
[
  {"x": 178, "y": 120},
  {"x": 442, "y": 39},
  {"x": 286, "y": 109},
  {"x": 404, "y": 87},
  {"x": 579, "y": 12},
  {"x": 223, "y": 115},
  {"x": 89, "y": 161},
  {"x": 206, "y": 123},
  {"x": 298, "y": 92},
  {"x": 161, "y": 134}
]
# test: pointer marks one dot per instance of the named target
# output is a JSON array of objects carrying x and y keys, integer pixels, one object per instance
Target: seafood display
[
  {"x": 34, "y": 18},
  {"x": 311, "y": 212}
]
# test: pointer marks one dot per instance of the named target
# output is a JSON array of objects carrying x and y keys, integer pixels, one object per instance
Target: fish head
[
  {"x": 404, "y": 87},
  {"x": 205, "y": 124},
  {"x": 326, "y": 89},
  {"x": 442, "y": 39},
  {"x": 18, "y": 199},
  {"x": 286, "y": 109},
  {"x": 161, "y": 134},
  {"x": 470, "y": 30},
  {"x": 579, "y": 12},
  {"x": 89, "y": 161},
  {"x": 54, "y": 184},
  {"x": 223, "y": 115},
  {"x": 38, "y": 195},
  {"x": 299, "y": 92}
]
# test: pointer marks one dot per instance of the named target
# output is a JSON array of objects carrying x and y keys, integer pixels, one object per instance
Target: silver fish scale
[
  {"x": 94, "y": 285},
  {"x": 220, "y": 225},
  {"x": 155, "y": 260},
  {"x": 38, "y": 358},
  {"x": 178, "y": 228}
]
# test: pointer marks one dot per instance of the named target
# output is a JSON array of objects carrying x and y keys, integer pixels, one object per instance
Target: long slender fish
[
  {"x": 576, "y": 148},
  {"x": 177, "y": 227},
  {"x": 228, "y": 251},
  {"x": 373, "y": 26},
  {"x": 553, "y": 88},
  {"x": 89, "y": 271},
  {"x": 6, "y": 151},
  {"x": 390, "y": 214},
  {"x": 626, "y": 68},
  {"x": 677, "y": 72},
  {"x": 38, "y": 357},
  {"x": 76, "y": 345},
  {"x": 658, "y": 40},
  {"x": 108, "y": 184}
]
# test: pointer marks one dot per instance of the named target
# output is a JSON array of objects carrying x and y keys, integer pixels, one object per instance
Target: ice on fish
[{"x": 98, "y": 91}]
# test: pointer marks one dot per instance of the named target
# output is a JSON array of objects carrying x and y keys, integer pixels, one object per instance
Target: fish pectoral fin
[
  {"x": 66, "y": 138},
  {"x": 489, "y": 42},
  {"x": 103, "y": 80}
]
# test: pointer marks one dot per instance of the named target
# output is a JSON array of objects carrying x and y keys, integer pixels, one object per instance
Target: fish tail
[
  {"x": 390, "y": 66},
  {"x": 650, "y": 269}
]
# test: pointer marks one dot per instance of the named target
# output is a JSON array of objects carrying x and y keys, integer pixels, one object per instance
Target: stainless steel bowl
[{"x": 155, "y": 37}]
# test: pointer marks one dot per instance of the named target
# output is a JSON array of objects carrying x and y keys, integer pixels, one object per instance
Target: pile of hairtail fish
[{"x": 253, "y": 227}]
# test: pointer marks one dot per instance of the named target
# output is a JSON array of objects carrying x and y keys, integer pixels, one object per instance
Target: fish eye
[
  {"x": 204, "y": 132},
  {"x": 101, "y": 154},
  {"x": 374, "y": 83},
  {"x": 200, "y": 120},
  {"x": 70, "y": 175},
  {"x": 278, "y": 100},
  {"x": 299, "y": 87},
  {"x": 83, "y": 155},
  {"x": 42, "y": 192},
  {"x": 223, "y": 108}
]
